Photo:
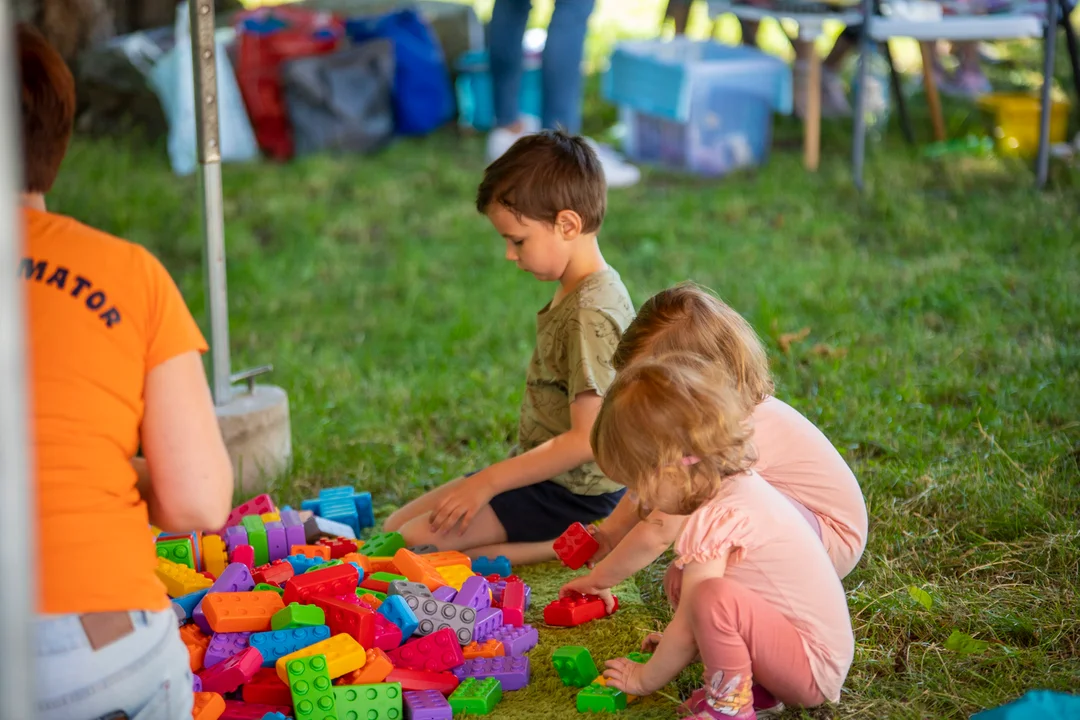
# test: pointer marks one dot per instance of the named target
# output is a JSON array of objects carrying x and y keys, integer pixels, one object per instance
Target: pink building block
[{"x": 226, "y": 676}]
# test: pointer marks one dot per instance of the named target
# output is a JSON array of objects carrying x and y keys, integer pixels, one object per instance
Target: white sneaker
[
  {"x": 500, "y": 139},
  {"x": 617, "y": 172}
]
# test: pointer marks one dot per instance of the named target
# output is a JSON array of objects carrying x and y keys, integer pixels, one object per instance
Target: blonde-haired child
[{"x": 760, "y": 600}]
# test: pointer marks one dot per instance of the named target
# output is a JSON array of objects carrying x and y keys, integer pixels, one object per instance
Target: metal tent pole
[
  {"x": 204, "y": 64},
  {"x": 17, "y": 525}
]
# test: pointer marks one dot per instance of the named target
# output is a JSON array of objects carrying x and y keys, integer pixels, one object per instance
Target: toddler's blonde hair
[
  {"x": 688, "y": 318},
  {"x": 662, "y": 410}
]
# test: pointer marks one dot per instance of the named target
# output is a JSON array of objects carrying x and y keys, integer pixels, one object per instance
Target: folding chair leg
[
  {"x": 1042, "y": 163},
  {"x": 898, "y": 93},
  {"x": 1070, "y": 42}
]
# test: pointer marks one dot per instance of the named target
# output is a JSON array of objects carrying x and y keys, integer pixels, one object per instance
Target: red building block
[
  {"x": 387, "y": 634},
  {"x": 236, "y": 710},
  {"x": 575, "y": 546},
  {"x": 343, "y": 616},
  {"x": 438, "y": 651},
  {"x": 244, "y": 554},
  {"x": 276, "y": 573},
  {"x": 339, "y": 547},
  {"x": 337, "y": 580},
  {"x": 374, "y": 585},
  {"x": 227, "y": 675},
  {"x": 513, "y": 603},
  {"x": 443, "y": 682},
  {"x": 574, "y": 610},
  {"x": 255, "y": 506},
  {"x": 266, "y": 688}
]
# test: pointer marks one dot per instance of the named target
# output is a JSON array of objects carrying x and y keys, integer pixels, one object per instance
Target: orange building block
[
  {"x": 229, "y": 612},
  {"x": 343, "y": 655},
  {"x": 382, "y": 564},
  {"x": 311, "y": 551},
  {"x": 375, "y": 670},
  {"x": 215, "y": 558},
  {"x": 196, "y": 643},
  {"x": 371, "y": 601},
  {"x": 208, "y": 706},
  {"x": 449, "y": 557},
  {"x": 361, "y": 560},
  {"x": 418, "y": 569},
  {"x": 491, "y": 648}
]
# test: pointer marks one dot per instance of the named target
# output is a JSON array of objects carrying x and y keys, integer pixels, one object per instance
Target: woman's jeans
[
  {"x": 561, "y": 81},
  {"x": 144, "y": 675}
]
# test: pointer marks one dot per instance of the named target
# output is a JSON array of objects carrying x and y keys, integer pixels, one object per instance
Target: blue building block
[
  {"x": 395, "y": 609},
  {"x": 340, "y": 510},
  {"x": 279, "y": 643},
  {"x": 329, "y": 505},
  {"x": 489, "y": 566},
  {"x": 276, "y": 716},
  {"x": 190, "y": 601},
  {"x": 1035, "y": 705},
  {"x": 301, "y": 563}
]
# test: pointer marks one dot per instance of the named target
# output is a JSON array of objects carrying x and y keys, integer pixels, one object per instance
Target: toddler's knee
[{"x": 716, "y": 601}]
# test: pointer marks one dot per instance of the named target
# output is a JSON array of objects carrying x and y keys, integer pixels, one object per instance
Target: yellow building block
[
  {"x": 601, "y": 680},
  {"x": 343, "y": 655},
  {"x": 271, "y": 517},
  {"x": 456, "y": 575},
  {"x": 180, "y": 579},
  {"x": 215, "y": 559}
]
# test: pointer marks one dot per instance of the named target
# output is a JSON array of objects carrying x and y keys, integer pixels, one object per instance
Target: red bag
[{"x": 266, "y": 38}]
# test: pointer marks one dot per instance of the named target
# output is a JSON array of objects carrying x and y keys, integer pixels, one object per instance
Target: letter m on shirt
[{"x": 32, "y": 270}]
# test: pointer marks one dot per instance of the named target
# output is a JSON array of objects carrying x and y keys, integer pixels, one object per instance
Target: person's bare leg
[
  {"x": 420, "y": 506},
  {"x": 484, "y": 530},
  {"x": 518, "y": 553}
]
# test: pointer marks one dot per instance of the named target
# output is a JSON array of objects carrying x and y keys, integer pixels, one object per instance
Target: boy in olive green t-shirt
[{"x": 547, "y": 197}]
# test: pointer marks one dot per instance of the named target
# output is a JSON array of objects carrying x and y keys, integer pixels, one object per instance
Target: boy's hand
[
  {"x": 460, "y": 506},
  {"x": 628, "y": 676},
  {"x": 587, "y": 586}
]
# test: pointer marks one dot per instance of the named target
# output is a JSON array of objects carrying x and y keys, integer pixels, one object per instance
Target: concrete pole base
[{"x": 256, "y": 430}]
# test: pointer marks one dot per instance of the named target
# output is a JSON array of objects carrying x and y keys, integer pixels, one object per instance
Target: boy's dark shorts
[{"x": 543, "y": 511}]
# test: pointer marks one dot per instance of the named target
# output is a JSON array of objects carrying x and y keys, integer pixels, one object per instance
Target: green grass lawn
[{"x": 941, "y": 313}]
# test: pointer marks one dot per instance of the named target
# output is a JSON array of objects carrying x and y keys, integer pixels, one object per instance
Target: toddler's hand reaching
[
  {"x": 605, "y": 545},
  {"x": 586, "y": 585},
  {"x": 628, "y": 676}
]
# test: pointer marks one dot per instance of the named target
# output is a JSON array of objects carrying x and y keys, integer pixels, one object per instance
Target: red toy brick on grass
[
  {"x": 575, "y": 609},
  {"x": 575, "y": 546}
]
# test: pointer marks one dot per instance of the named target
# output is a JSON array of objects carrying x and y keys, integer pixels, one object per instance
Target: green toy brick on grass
[
  {"x": 478, "y": 697},
  {"x": 312, "y": 692},
  {"x": 256, "y": 533},
  {"x": 639, "y": 657},
  {"x": 600, "y": 698},
  {"x": 380, "y": 701},
  {"x": 574, "y": 665},
  {"x": 383, "y": 544},
  {"x": 268, "y": 586},
  {"x": 297, "y": 615},
  {"x": 324, "y": 565},
  {"x": 179, "y": 551}
]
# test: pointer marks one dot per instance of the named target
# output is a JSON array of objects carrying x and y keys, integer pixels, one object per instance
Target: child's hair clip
[{"x": 691, "y": 460}]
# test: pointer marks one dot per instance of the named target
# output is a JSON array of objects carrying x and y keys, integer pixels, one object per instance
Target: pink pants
[{"x": 743, "y": 640}]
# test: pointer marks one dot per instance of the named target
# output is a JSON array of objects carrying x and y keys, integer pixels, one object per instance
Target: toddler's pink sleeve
[{"x": 710, "y": 532}]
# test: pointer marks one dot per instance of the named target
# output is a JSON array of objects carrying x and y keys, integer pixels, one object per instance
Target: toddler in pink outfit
[{"x": 760, "y": 600}]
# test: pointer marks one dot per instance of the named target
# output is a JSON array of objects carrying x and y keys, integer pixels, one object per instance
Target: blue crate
[
  {"x": 662, "y": 78},
  {"x": 476, "y": 104}
]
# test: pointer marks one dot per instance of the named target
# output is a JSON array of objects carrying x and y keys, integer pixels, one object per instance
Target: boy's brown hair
[
  {"x": 689, "y": 318},
  {"x": 674, "y": 421},
  {"x": 48, "y": 109},
  {"x": 543, "y": 174}
]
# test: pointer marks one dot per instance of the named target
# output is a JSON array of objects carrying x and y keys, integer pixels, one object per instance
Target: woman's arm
[{"x": 187, "y": 477}]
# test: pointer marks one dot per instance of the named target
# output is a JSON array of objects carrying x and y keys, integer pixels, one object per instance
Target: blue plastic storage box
[
  {"x": 697, "y": 106},
  {"x": 476, "y": 104}
]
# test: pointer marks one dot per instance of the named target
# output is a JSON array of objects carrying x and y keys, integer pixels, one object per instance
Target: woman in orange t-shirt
[{"x": 114, "y": 365}]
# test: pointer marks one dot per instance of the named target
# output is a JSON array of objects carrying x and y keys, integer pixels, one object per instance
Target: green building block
[
  {"x": 599, "y": 698},
  {"x": 268, "y": 586},
  {"x": 381, "y": 701},
  {"x": 296, "y": 615},
  {"x": 312, "y": 693},
  {"x": 179, "y": 551},
  {"x": 383, "y": 544},
  {"x": 324, "y": 565},
  {"x": 361, "y": 592},
  {"x": 639, "y": 657},
  {"x": 386, "y": 577},
  {"x": 574, "y": 665},
  {"x": 476, "y": 696},
  {"x": 256, "y": 532}
]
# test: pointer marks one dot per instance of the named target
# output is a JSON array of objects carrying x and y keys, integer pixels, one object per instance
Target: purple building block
[
  {"x": 236, "y": 535},
  {"x": 224, "y": 645},
  {"x": 427, "y": 705},
  {"x": 234, "y": 578},
  {"x": 511, "y": 672},
  {"x": 488, "y": 621},
  {"x": 276, "y": 541},
  {"x": 444, "y": 593},
  {"x": 517, "y": 640},
  {"x": 294, "y": 529},
  {"x": 474, "y": 593},
  {"x": 196, "y": 683}
]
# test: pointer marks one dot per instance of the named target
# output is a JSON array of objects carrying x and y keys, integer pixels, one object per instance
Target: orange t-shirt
[{"x": 102, "y": 313}]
